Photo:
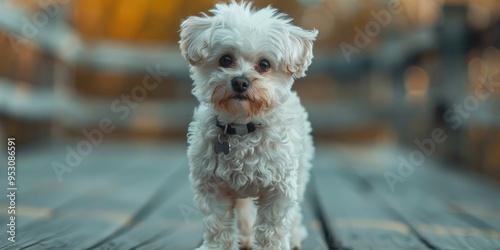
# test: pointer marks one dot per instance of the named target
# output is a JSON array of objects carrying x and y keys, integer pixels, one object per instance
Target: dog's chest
[
  {"x": 256, "y": 161},
  {"x": 245, "y": 179}
]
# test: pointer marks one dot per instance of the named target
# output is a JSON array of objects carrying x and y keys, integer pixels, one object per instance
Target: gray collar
[{"x": 237, "y": 129}]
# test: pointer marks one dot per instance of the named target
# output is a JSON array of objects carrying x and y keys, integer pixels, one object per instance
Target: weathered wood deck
[{"x": 137, "y": 196}]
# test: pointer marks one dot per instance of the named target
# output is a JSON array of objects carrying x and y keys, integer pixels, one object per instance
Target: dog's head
[{"x": 243, "y": 61}]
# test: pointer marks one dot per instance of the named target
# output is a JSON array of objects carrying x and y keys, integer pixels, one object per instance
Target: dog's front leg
[
  {"x": 274, "y": 220},
  {"x": 218, "y": 220}
]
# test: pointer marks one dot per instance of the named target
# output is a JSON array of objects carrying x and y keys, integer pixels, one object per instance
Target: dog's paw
[
  {"x": 205, "y": 248},
  {"x": 298, "y": 236},
  {"x": 245, "y": 242}
]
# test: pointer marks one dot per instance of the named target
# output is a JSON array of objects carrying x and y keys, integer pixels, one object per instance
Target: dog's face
[{"x": 243, "y": 61}]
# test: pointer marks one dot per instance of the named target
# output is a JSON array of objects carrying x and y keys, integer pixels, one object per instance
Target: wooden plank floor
[{"x": 137, "y": 196}]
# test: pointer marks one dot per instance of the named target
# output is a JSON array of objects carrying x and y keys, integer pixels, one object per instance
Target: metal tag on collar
[{"x": 222, "y": 144}]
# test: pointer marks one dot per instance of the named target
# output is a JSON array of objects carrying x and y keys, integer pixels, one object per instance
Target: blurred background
[{"x": 384, "y": 72}]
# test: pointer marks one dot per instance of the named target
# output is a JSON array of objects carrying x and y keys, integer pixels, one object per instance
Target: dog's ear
[
  {"x": 195, "y": 34},
  {"x": 300, "y": 55}
]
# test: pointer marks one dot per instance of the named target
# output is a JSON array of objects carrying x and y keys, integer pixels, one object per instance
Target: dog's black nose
[{"x": 240, "y": 84}]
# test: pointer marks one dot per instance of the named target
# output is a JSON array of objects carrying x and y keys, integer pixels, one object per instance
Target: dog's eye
[
  {"x": 264, "y": 65},
  {"x": 225, "y": 61}
]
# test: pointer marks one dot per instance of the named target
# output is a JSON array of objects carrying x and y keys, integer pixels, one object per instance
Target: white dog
[{"x": 250, "y": 138}]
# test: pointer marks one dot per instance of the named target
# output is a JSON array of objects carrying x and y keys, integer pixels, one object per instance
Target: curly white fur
[{"x": 268, "y": 166}]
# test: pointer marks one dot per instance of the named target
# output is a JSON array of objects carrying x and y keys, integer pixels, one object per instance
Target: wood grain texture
[
  {"x": 355, "y": 218},
  {"x": 444, "y": 208},
  {"x": 138, "y": 196}
]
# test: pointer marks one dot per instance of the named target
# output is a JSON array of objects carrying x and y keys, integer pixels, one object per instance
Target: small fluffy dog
[{"x": 249, "y": 142}]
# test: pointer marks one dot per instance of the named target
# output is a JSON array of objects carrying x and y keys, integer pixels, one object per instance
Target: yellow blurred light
[
  {"x": 478, "y": 15},
  {"x": 423, "y": 12},
  {"x": 417, "y": 84},
  {"x": 474, "y": 70}
]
